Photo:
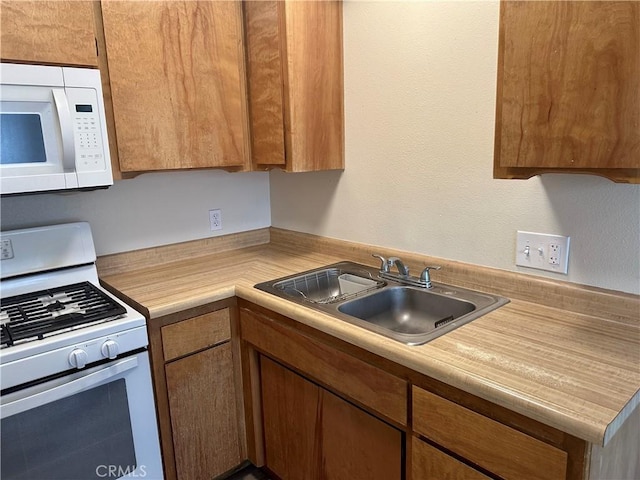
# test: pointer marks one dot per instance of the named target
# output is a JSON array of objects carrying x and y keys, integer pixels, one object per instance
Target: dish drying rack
[{"x": 330, "y": 285}]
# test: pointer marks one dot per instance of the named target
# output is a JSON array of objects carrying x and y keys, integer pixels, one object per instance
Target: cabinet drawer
[
  {"x": 374, "y": 388},
  {"x": 486, "y": 443},
  {"x": 196, "y": 333},
  {"x": 429, "y": 462}
]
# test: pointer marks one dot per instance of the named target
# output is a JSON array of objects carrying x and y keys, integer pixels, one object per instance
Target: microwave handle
[
  {"x": 66, "y": 129},
  {"x": 66, "y": 389}
]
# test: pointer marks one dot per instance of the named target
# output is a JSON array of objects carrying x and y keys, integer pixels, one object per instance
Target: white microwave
[{"x": 53, "y": 133}]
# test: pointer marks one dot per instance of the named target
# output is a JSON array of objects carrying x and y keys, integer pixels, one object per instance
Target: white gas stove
[{"x": 65, "y": 341}]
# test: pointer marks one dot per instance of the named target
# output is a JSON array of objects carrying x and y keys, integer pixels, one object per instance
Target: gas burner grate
[{"x": 33, "y": 316}]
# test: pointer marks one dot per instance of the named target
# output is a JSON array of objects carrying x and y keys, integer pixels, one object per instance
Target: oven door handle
[{"x": 66, "y": 389}]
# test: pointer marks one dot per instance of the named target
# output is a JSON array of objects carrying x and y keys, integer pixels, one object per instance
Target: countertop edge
[{"x": 622, "y": 417}]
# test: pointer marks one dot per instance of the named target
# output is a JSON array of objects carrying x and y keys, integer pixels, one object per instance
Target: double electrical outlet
[
  {"x": 542, "y": 251},
  {"x": 215, "y": 219}
]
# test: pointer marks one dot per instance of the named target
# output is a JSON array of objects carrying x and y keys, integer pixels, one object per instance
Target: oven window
[
  {"x": 85, "y": 436},
  {"x": 21, "y": 139}
]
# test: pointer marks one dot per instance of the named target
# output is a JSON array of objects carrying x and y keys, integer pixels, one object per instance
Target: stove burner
[
  {"x": 55, "y": 306},
  {"x": 33, "y": 316}
]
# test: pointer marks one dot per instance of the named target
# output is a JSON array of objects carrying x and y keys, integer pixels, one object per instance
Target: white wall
[
  {"x": 420, "y": 83},
  {"x": 151, "y": 209}
]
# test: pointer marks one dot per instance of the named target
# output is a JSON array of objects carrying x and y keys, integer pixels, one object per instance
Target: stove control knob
[
  {"x": 110, "y": 349},
  {"x": 78, "y": 358}
]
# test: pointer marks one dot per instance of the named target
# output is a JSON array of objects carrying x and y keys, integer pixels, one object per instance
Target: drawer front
[
  {"x": 500, "y": 449},
  {"x": 374, "y": 388},
  {"x": 428, "y": 462},
  {"x": 197, "y": 333}
]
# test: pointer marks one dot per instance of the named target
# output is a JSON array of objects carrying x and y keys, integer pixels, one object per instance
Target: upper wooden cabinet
[
  {"x": 295, "y": 79},
  {"x": 568, "y": 95},
  {"x": 177, "y": 80},
  {"x": 48, "y": 32}
]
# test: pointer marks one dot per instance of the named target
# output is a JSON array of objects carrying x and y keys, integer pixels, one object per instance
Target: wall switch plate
[
  {"x": 215, "y": 219},
  {"x": 542, "y": 251}
]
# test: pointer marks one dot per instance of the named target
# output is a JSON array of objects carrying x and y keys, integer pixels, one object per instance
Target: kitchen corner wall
[
  {"x": 420, "y": 80},
  {"x": 151, "y": 209}
]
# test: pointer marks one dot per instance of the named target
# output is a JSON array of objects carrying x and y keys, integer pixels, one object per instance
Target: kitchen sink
[
  {"x": 409, "y": 314},
  {"x": 407, "y": 310}
]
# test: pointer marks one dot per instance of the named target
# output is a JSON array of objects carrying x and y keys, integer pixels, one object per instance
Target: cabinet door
[
  {"x": 203, "y": 413},
  {"x": 51, "y": 32},
  {"x": 290, "y": 408},
  {"x": 312, "y": 434},
  {"x": 265, "y": 81},
  {"x": 177, "y": 81},
  {"x": 569, "y": 85},
  {"x": 295, "y": 72},
  {"x": 356, "y": 445},
  {"x": 314, "y": 88}
]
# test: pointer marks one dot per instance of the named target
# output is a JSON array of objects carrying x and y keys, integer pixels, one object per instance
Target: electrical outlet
[
  {"x": 554, "y": 253},
  {"x": 542, "y": 251},
  {"x": 215, "y": 219}
]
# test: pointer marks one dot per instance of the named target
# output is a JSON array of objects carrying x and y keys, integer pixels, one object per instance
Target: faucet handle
[
  {"x": 384, "y": 266},
  {"x": 425, "y": 276}
]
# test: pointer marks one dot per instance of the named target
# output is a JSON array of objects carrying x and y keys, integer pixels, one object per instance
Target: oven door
[{"x": 98, "y": 423}]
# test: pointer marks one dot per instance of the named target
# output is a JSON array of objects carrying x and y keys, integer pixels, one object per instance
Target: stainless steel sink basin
[
  {"x": 408, "y": 314},
  {"x": 407, "y": 310}
]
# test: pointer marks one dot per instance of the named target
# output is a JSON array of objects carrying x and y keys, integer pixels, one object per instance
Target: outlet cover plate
[
  {"x": 215, "y": 219},
  {"x": 542, "y": 251}
]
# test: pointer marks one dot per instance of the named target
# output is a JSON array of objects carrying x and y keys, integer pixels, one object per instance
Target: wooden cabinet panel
[
  {"x": 364, "y": 383},
  {"x": 356, "y": 445},
  {"x": 485, "y": 442},
  {"x": 314, "y": 114},
  {"x": 178, "y": 84},
  {"x": 290, "y": 407},
  {"x": 51, "y": 32},
  {"x": 202, "y": 405},
  {"x": 429, "y": 463},
  {"x": 295, "y": 77},
  {"x": 569, "y": 87},
  {"x": 313, "y": 434},
  {"x": 195, "y": 334},
  {"x": 265, "y": 81}
]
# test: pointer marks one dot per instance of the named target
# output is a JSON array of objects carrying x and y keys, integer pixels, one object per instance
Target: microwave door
[{"x": 34, "y": 153}]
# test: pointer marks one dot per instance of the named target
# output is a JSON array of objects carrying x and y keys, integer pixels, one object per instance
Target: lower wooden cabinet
[
  {"x": 311, "y": 433},
  {"x": 198, "y": 395},
  {"x": 321, "y": 409},
  {"x": 502, "y": 450},
  {"x": 202, "y": 404}
]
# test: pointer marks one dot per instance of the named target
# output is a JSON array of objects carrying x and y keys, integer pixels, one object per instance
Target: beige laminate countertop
[{"x": 575, "y": 372}]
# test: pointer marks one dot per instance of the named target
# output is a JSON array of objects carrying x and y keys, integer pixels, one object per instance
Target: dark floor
[{"x": 249, "y": 473}]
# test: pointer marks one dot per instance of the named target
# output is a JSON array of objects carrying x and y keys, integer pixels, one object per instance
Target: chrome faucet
[{"x": 403, "y": 272}]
